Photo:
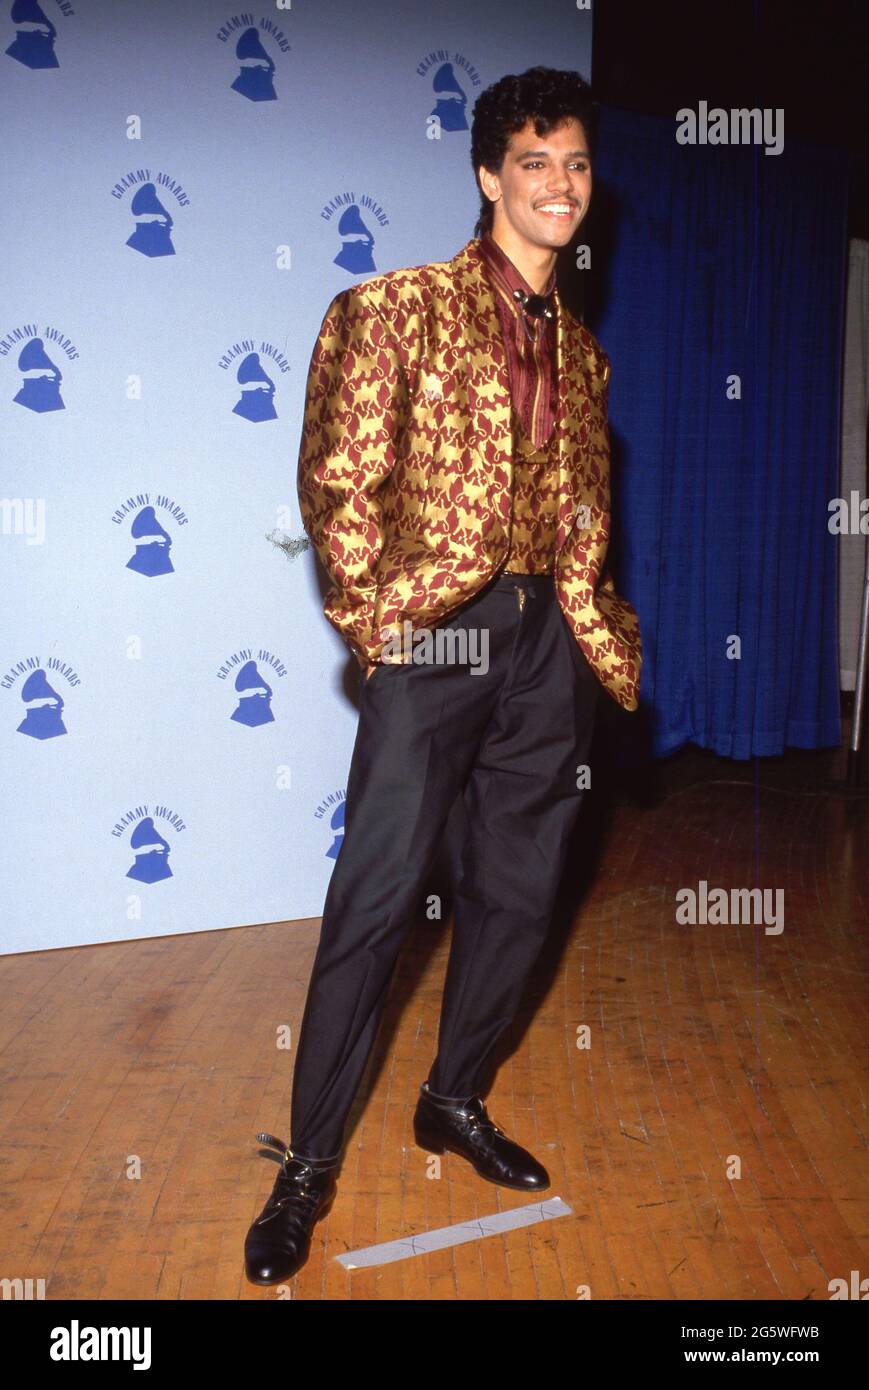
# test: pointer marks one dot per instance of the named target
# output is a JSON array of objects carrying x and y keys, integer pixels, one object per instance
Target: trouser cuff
[
  {"x": 454, "y": 1100},
  {"x": 314, "y": 1162}
]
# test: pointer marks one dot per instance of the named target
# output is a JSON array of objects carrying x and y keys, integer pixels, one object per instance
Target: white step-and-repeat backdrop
[{"x": 185, "y": 188}]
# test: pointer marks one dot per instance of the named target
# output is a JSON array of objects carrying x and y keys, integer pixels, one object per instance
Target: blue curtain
[{"x": 713, "y": 262}]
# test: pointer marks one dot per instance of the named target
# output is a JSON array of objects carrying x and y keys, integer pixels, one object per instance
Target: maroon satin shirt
[{"x": 530, "y": 344}]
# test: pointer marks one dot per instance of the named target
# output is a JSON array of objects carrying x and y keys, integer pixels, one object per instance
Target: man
[{"x": 454, "y": 480}]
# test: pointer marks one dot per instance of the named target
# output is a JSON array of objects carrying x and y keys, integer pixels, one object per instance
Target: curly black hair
[{"x": 547, "y": 96}]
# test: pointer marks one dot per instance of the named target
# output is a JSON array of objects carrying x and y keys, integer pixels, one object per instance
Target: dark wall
[{"x": 811, "y": 60}]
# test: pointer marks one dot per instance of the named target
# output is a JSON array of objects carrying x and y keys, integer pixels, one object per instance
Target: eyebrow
[{"x": 544, "y": 154}]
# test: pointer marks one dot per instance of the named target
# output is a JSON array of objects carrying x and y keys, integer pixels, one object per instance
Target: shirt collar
[{"x": 506, "y": 277}]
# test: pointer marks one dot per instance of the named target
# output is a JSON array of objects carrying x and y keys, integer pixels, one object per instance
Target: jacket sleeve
[{"x": 354, "y": 410}]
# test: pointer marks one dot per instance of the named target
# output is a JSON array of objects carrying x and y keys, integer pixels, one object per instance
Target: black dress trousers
[{"x": 512, "y": 739}]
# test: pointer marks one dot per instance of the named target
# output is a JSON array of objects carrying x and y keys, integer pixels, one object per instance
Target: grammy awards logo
[
  {"x": 357, "y": 243},
  {"x": 44, "y": 717},
  {"x": 450, "y": 96},
  {"x": 144, "y": 843},
  {"x": 152, "y": 233},
  {"x": 37, "y": 356},
  {"x": 255, "y": 67},
  {"x": 254, "y": 698},
  {"x": 148, "y": 537},
  {"x": 151, "y": 851},
  {"x": 33, "y": 45},
  {"x": 151, "y": 556},
  {"x": 40, "y": 696},
  {"x": 257, "y": 399},
  {"x": 255, "y": 393},
  {"x": 355, "y": 218},
  {"x": 253, "y": 706},
  {"x": 450, "y": 99},
  {"x": 332, "y": 809},
  {"x": 41, "y": 378}
]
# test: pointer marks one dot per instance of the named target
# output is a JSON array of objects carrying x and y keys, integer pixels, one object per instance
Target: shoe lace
[
  {"x": 291, "y": 1182},
  {"x": 292, "y": 1190}
]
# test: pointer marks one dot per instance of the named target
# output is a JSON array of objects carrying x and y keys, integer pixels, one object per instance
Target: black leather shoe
[
  {"x": 462, "y": 1126},
  {"x": 278, "y": 1242}
]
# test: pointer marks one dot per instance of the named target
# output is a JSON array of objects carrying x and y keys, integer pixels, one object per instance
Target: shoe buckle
[{"x": 474, "y": 1111}]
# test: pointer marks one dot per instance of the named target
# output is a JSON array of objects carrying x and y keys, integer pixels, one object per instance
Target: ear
[{"x": 489, "y": 182}]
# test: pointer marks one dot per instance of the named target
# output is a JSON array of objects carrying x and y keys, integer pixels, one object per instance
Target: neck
[{"x": 534, "y": 262}]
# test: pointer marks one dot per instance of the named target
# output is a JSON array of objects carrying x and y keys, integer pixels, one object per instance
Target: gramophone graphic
[
  {"x": 33, "y": 44},
  {"x": 40, "y": 389},
  {"x": 254, "y": 81},
  {"x": 451, "y": 100},
  {"x": 257, "y": 399},
  {"x": 44, "y": 717},
  {"x": 151, "y": 863},
  {"x": 254, "y": 698},
  {"x": 151, "y": 556},
  {"x": 355, "y": 254},
  {"x": 337, "y": 824},
  {"x": 153, "y": 234}
]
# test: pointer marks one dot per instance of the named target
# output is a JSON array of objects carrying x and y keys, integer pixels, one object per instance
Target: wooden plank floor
[{"x": 707, "y": 1042}]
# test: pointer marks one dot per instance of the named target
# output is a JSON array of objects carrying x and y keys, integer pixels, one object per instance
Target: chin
[
  {"x": 560, "y": 236},
  {"x": 559, "y": 232}
]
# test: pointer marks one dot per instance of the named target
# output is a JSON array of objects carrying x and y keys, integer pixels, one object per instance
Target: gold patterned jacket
[{"x": 406, "y": 463}]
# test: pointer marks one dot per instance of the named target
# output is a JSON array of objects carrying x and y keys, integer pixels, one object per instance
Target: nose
[{"x": 559, "y": 182}]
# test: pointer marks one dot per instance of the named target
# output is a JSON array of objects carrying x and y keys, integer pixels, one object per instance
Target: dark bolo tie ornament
[{"x": 535, "y": 305}]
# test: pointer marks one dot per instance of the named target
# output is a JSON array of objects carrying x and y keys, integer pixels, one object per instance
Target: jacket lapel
[{"x": 489, "y": 391}]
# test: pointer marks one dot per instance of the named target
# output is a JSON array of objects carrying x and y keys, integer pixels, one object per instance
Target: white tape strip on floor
[{"x": 482, "y": 1226}]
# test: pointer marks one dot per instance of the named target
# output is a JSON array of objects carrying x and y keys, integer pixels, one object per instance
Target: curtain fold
[
  {"x": 855, "y": 409},
  {"x": 718, "y": 292}
]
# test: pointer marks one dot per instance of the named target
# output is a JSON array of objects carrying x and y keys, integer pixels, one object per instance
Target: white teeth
[{"x": 555, "y": 207}]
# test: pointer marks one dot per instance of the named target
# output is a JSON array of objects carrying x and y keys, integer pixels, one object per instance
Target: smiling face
[{"x": 543, "y": 190}]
